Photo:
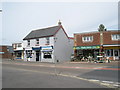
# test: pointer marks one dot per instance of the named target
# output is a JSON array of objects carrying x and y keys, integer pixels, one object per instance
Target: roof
[
  {"x": 71, "y": 37},
  {"x": 96, "y": 32},
  {"x": 45, "y": 32}
]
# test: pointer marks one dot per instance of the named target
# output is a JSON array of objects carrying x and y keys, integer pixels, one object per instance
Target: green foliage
[{"x": 102, "y": 28}]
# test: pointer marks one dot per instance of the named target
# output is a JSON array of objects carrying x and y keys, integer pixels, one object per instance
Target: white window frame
[
  {"x": 19, "y": 45},
  {"x": 37, "y": 41},
  {"x": 87, "y": 38},
  {"x": 115, "y": 36},
  {"x": 47, "y": 40},
  {"x": 28, "y": 42}
]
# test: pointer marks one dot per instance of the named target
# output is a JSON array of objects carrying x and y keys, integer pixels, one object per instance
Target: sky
[{"x": 20, "y": 18}]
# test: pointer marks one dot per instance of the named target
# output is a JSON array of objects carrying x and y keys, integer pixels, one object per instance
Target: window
[
  {"x": 47, "y": 55},
  {"x": 47, "y": 40},
  {"x": 116, "y": 37},
  {"x": 87, "y": 39},
  {"x": 37, "y": 41},
  {"x": 19, "y": 45},
  {"x": 109, "y": 52},
  {"x": 28, "y": 42},
  {"x": 29, "y": 53},
  {"x": 14, "y": 45}
]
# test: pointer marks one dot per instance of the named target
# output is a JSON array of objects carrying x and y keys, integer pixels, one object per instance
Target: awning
[
  {"x": 36, "y": 48},
  {"x": 47, "y": 50},
  {"x": 115, "y": 47},
  {"x": 86, "y": 47}
]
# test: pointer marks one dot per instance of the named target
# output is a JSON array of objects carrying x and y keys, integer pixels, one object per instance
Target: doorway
[
  {"x": 37, "y": 55},
  {"x": 116, "y": 53}
]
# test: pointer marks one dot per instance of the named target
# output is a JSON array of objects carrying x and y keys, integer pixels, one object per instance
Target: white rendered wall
[
  {"x": 62, "y": 47},
  {"x": 42, "y": 42}
]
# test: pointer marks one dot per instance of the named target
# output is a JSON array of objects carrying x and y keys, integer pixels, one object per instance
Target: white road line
[
  {"x": 116, "y": 85},
  {"x": 107, "y": 82},
  {"x": 94, "y": 80}
]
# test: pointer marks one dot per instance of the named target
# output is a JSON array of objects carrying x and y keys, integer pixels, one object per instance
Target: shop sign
[
  {"x": 2, "y": 52},
  {"x": 46, "y": 47},
  {"x": 87, "y": 47},
  {"x": 36, "y": 48}
]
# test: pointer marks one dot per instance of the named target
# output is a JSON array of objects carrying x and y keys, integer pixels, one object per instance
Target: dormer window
[
  {"x": 116, "y": 37},
  {"x": 87, "y": 39},
  {"x": 37, "y": 41}
]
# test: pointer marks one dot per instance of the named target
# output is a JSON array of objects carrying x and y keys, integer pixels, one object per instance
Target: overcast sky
[{"x": 19, "y": 18}]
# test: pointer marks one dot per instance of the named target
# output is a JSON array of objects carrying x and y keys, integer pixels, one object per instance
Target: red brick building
[
  {"x": 6, "y": 52},
  {"x": 91, "y": 44}
]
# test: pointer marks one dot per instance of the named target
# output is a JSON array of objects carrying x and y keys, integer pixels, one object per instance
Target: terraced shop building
[
  {"x": 6, "y": 52},
  {"x": 49, "y": 44},
  {"x": 95, "y": 43}
]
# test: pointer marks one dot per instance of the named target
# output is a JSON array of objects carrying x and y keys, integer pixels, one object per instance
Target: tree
[{"x": 102, "y": 28}]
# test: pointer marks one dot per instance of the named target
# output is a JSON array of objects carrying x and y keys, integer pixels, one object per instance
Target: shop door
[
  {"x": 116, "y": 53},
  {"x": 37, "y": 55}
]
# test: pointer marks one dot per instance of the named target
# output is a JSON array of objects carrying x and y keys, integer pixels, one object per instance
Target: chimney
[{"x": 59, "y": 23}]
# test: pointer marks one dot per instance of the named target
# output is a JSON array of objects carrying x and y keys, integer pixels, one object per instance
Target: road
[{"x": 30, "y": 75}]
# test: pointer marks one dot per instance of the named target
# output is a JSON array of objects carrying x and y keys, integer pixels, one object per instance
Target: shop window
[
  {"x": 87, "y": 39},
  {"x": 29, "y": 53},
  {"x": 116, "y": 52},
  {"x": 18, "y": 54},
  {"x": 47, "y": 55},
  {"x": 116, "y": 37},
  {"x": 109, "y": 52}
]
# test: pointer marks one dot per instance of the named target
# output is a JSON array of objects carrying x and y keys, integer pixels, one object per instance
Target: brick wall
[
  {"x": 107, "y": 39},
  {"x": 96, "y": 38},
  {"x": 6, "y": 54}
]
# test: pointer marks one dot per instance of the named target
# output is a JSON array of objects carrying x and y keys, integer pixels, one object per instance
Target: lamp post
[{"x": 101, "y": 29}]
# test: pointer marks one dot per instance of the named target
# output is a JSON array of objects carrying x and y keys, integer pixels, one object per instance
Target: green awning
[{"x": 86, "y": 47}]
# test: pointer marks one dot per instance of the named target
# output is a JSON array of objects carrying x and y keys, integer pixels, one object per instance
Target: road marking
[
  {"x": 97, "y": 68},
  {"x": 116, "y": 85},
  {"x": 73, "y": 76},
  {"x": 107, "y": 82},
  {"x": 94, "y": 80}
]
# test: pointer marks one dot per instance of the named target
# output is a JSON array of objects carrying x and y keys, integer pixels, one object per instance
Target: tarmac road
[
  {"x": 105, "y": 74},
  {"x": 20, "y": 77}
]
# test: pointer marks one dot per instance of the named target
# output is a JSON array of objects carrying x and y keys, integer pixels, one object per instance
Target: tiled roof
[{"x": 45, "y": 32}]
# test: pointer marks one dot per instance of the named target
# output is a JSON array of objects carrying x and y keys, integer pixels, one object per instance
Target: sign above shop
[
  {"x": 87, "y": 47},
  {"x": 36, "y": 48},
  {"x": 46, "y": 47}
]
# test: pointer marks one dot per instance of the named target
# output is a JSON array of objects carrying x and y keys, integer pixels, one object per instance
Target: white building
[
  {"x": 18, "y": 50},
  {"x": 48, "y": 45}
]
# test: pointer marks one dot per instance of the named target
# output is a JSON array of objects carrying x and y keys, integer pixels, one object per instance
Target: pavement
[{"x": 114, "y": 65}]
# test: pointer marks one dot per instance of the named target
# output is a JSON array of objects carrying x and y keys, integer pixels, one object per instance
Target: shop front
[
  {"x": 18, "y": 54},
  {"x": 112, "y": 52},
  {"x": 41, "y": 54},
  {"x": 87, "y": 51},
  {"x": 47, "y": 54}
]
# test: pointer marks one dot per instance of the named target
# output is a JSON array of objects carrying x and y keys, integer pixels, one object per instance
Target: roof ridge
[{"x": 44, "y": 28}]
